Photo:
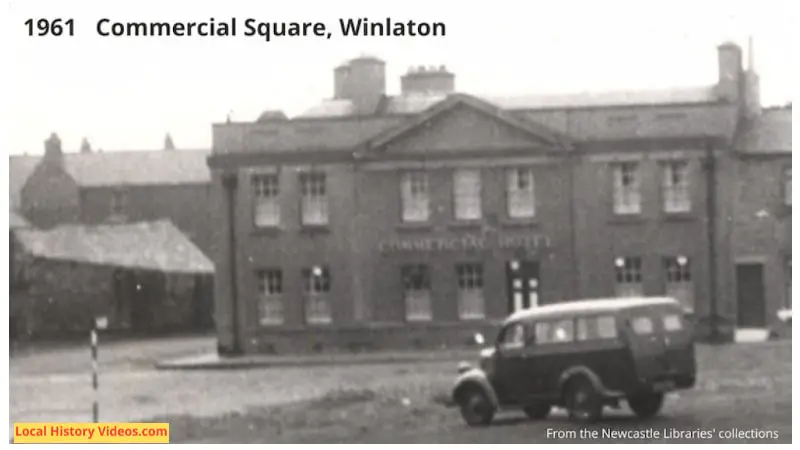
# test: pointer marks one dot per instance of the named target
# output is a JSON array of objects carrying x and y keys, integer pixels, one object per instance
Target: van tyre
[
  {"x": 537, "y": 411},
  {"x": 583, "y": 401},
  {"x": 476, "y": 408},
  {"x": 646, "y": 404}
]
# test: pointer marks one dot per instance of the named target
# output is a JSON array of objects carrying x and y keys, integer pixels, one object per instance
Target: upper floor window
[
  {"x": 316, "y": 286},
  {"x": 417, "y": 292},
  {"x": 314, "y": 207},
  {"x": 415, "y": 197},
  {"x": 270, "y": 288},
  {"x": 787, "y": 186},
  {"x": 467, "y": 194},
  {"x": 627, "y": 188},
  {"x": 629, "y": 277},
  {"x": 676, "y": 195},
  {"x": 520, "y": 193},
  {"x": 266, "y": 209}
]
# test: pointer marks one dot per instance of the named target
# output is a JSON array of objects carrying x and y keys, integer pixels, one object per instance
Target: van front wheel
[
  {"x": 476, "y": 409},
  {"x": 646, "y": 404}
]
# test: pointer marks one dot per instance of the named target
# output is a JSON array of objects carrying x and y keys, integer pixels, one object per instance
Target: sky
[{"x": 127, "y": 93}]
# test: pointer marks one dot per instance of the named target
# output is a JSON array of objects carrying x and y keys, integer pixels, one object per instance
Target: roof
[
  {"x": 590, "y": 306},
  {"x": 414, "y": 103},
  {"x": 119, "y": 168},
  {"x": 158, "y": 246},
  {"x": 16, "y": 220},
  {"x": 539, "y": 132},
  {"x": 669, "y": 96},
  {"x": 771, "y": 132},
  {"x": 301, "y": 135}
]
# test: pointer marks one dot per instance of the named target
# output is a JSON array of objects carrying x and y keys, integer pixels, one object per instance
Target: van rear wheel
[
  {"x": 583, "y": 401},
  {"x": 646, "y": 404}
]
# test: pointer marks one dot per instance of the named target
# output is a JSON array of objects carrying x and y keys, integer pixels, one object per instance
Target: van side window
[
  {"x": 606, "y": 327},
  {"x": 592, "y": 328},
  {"x": 558, "y": 332},
  {"x": 672, "y": 322},
  {"x": 514, "y": 337},
  {"x": 642, "y": 325}
]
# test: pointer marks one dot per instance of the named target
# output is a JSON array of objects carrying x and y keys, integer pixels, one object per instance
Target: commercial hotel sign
[{"x": 465, "y": 243}]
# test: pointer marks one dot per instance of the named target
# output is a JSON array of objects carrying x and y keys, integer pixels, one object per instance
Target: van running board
[{"x": 751, "y": 335}]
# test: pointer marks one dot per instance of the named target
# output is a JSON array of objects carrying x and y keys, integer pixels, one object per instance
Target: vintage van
[{"x": 582, "y": 356}]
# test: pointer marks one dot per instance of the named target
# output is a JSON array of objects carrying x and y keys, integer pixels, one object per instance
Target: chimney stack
[
  {"x": 362, "y": 81},
  {"x": 85, "y": 146},
  {"x": 731, "y": 75},
  {"x": 430, "y": 80},
  {"x": 752, "y": 85},
  {"x": 52, "y": 149},
  {"x": 168, "y": 144}
]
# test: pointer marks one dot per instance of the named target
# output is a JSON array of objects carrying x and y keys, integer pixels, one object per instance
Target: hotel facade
[{"x": 415, "y": 220}]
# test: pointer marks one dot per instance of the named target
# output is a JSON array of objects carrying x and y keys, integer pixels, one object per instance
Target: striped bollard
[
  {"x": 99, "y": 323},
  {"x": 95, "y": 406}
]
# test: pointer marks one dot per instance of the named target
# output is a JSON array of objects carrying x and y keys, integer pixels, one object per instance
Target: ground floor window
[
  {"x": 678, "y": 274},
  {"x": 629, "y": 277},
  {"x": 270, "y": 290},
  {"x": 470, "y": 291},
  {"x": 417, "y": 292},
  {"x": 316, "y": 290}
]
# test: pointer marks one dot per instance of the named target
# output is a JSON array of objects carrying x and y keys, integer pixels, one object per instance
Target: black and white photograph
[{"x": 405, "y": 222}]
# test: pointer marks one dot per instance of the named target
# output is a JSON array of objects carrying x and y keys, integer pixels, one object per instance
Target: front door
[
  {"x": 751, "y": 308},
  {"x": 522, "y": 278}
]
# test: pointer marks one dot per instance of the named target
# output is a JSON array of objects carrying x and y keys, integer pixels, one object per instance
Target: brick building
[
  {"x": 418, "y": 219},
  {"x": 107, "y": 189}
]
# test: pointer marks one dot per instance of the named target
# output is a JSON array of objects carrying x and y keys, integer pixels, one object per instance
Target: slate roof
[
  {"x": 122, "y": 168},
  {"x": 302, "y": 135},
  {"x": 415, "y": 102},
  {"x": 155, "y": 245},
  {"x": 769, "y": 133}
]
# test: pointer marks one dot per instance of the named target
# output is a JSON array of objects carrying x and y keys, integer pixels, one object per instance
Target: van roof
[{"x": 589, "y": 306}]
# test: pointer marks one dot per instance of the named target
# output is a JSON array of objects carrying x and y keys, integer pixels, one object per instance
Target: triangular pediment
[{"x": 463, "y": 123}]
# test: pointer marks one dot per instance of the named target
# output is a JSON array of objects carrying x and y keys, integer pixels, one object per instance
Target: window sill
[
  {"x": 414, "y": 226},
  {"x": 266, "y": 230},
  {"x": 679, "y": 216},
  {"x": 315, "y": 229},
  {"x": 626, "y": 219},
  {"x": 521, "y": 222},
  {"x": 466, "y": 224}
]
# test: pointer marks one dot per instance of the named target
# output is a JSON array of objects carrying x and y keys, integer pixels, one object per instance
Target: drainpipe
[
  {"x": 572, "y": 166},
  {"x": 711, "y": 215},
  {"x": 229, "y": 183}
]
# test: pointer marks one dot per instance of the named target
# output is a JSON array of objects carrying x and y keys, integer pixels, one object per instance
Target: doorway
[
  {"x": 750, "y": 302},
  {"x": 522, "y": 279}
]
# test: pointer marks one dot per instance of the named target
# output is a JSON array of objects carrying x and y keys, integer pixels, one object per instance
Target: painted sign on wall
[{"x": 465, "y": 243}]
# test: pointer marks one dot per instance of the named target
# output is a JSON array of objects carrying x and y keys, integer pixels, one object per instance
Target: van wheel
[
  {"x": 647, "y": 404},
  {"x": 476, "y": 408},
  {"x": 583, "y": 401},
  {"x": 537, "y": 411}
]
